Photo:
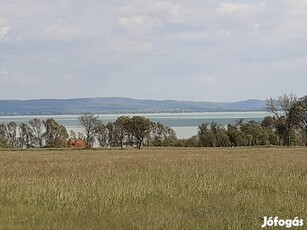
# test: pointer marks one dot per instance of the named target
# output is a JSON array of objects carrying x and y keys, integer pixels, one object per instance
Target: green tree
[
  {"x": 120, "y": 131},
  {"x": 269, "y": 123},
  {"x": 26, "y": 137},
  {"x": 162, "y": 135},
  {"x": 3, "y": 139},
  {"x": 206, "y": 136},
  {"x": 192, "y": 142},
  {"x": 56, "y": 135},
  {"x": 255, "y": 134},
  {"x": 102, "y": 134},
  {"x": 280, "y": 107},
  {"x": 37, "y": 128},
  {"x": 111, "y": 134},
  {"x": 11, "y": 134},
  {"x": 140, "y": 128},
  {"x": 236, "y": 136},
  {"x": 298, "y": 115},
  {"x": 221, "y": 138},
  {"x": 233, "y": 134}
]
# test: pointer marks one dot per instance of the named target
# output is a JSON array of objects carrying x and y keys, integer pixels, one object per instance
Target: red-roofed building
[{"x": 78, "y": 144}]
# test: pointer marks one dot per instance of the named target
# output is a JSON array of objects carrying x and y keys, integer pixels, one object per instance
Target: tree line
[
  {"x": 285, "y": 127},
  {"x": 125, "y": 131}
]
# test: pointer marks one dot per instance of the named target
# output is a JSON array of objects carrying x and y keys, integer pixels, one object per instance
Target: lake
[{"x": 184, "y": 124}]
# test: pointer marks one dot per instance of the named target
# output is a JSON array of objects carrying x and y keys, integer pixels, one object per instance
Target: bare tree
[{"x": 90, "y": 123}]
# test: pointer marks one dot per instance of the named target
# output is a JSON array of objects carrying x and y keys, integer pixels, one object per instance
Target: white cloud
[
  {"x": 123, "y": 47},
  {"x": 210, "y": 80},
  {"x": 167, "y": 10},
  {"x": 234, "y": 8},
  {"x": 131, "y": 22},
  {"x": 296, "y": 7},
  {"x": 148, "y": 15},
  {"x": 256, "y": 26},
  {"x": 68, "y": 78},
  {"x": 293, "y": 26},
  {"x": 4, "y": 33},
  {"x": 140, "y": 24},
  {"x": 16, "y": 78},
  {"x": 3, "y": 74},
  {"x": 63, "y": 32},
  {"x": 72, "y": 40},
  {"x": 25, "y": 10},
  {"x": 166, "y": 6}
]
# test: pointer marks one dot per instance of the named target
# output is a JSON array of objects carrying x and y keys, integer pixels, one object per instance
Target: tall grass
[{"x": 152, "y": 188}]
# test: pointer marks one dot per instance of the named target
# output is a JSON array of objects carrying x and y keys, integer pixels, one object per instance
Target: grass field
[{"x": 151, "y": 189}]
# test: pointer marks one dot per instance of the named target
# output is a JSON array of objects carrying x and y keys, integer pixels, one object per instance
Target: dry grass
[{"x": 151, "y": 189}]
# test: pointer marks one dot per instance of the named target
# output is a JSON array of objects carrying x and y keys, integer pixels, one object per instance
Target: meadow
[{"x": 155, "y": 188}]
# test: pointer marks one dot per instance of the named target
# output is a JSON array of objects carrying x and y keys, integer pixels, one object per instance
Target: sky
[{"x": 200, "y": 50}]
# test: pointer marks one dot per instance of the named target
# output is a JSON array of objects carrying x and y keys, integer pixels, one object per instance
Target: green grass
[{"x": 151, "y": 189}]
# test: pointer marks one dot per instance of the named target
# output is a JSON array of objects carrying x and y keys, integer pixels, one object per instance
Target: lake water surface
[{"x": 185, "y": 124}]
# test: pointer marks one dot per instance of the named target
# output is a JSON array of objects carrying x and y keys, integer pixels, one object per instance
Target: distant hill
[{"x": 120, "y": 105}]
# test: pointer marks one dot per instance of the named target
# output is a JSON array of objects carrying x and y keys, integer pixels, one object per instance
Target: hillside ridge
[{"x": 121, "y": 105}]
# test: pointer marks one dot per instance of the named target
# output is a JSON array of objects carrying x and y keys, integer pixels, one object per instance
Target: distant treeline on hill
[
  {"x": 119, "y": 105},
  {"x": 287, "y": 126}
]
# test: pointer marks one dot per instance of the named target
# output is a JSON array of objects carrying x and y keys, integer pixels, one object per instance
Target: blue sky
[{"x": 184, "y": 50}]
